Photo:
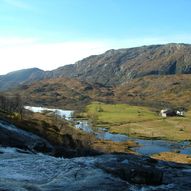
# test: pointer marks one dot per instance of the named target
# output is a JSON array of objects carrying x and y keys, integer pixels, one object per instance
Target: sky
[{"x": 51, "y": 33}]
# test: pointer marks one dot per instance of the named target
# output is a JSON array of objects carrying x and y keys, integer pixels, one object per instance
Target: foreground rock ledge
[{"x": 39, "y": 172}]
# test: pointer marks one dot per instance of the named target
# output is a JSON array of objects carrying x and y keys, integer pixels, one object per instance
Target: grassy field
[
  {"x": 116, "y": 114},
  {"x": 139, "y": 121}
]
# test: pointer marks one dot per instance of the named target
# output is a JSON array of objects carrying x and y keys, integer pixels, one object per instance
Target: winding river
[{"x": 146, "y": 147}]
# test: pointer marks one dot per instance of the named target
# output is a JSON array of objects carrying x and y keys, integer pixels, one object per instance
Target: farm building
[{"x": 171, "y": 112}]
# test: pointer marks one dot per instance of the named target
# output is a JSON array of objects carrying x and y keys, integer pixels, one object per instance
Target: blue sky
[{"x": 51, "y": 33}]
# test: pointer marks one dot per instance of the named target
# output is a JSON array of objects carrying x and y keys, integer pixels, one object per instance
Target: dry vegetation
[
  {"x": 63, "y": 92},
  {"x": 114, "y": 147},
  {"x": 173, "y": 157},
  {"x": 157, "y": 91},
  {"x": 154, "y": 91},
  {"x": 61, "y": 133}
]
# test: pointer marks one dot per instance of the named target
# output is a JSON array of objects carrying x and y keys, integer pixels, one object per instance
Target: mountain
[
  {"x": 19, "y": 77},
  {"x": 113, "y": 67},
  {"x": 118, "y": 66}
]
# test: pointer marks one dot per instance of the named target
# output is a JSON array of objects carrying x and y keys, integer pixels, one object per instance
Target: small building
[
  {"x": 163, "y": 113},
  {"x": 180, "y": 112},
  {"x": 171, "y": 112}
]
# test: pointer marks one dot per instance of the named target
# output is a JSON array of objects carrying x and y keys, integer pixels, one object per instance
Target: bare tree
[{"x": 12, "y": 104}]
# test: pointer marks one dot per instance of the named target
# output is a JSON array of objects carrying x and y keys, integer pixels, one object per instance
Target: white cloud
[{"x": 46, "y": 56}]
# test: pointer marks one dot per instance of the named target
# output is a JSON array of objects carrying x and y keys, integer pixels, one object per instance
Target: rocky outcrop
[
  {"x": 59, "y": 145},
  {"x": 136, "y": 174},
  {"x": 21, "y": 169},
  {"x": 11, "y": 136},
  {"x": 25, "y": 171},
  {"x": 118, "y": 66}
]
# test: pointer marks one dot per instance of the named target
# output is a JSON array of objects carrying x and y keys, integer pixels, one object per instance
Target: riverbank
[{"x": 106, "y": 142}]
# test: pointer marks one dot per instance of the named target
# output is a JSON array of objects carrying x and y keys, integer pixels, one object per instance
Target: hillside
[
  {"x": 114, "y": 66},
  {"x": 153, "y": 91},
  {"x": 118, "y": 66},
  {"x": 157, "y": 91},
  {"x": 63, "y": 92},
  {"x": 13, "y": 79}
]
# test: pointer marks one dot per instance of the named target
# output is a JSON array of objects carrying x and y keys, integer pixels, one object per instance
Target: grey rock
[
  {"x": 11, "y": 136},
  {"x": 118, "y": 66},
  {"x": 24, "y": 171}
]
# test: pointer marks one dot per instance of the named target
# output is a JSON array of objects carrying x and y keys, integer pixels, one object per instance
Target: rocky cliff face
[{"x": 118, "y": 66}]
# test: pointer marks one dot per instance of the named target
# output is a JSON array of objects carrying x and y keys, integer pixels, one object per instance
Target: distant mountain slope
[
  {"x": 156, "y": 91},
  {"x": 62, "y": 92},
  {"x": 19, "y": 77},
  {"x": 114, "y": 67},
  {"x": 117, "y": 66}
]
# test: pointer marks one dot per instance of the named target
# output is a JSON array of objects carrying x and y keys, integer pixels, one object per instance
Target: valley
[
  {"x": 71, "y": 154},
  {"x": 101, "y": 109}
]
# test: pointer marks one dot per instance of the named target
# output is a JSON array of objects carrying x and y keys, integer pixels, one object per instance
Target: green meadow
[{"x": 138, "y": 121}]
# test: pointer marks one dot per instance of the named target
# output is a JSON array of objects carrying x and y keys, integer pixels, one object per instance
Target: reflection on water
[
  {"x": 147, "y": 147},
  {"x": 113, "y": 137},
  {"x": 84, "y": 125}
]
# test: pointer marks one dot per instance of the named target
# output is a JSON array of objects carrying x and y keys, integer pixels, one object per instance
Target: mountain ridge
[
  {"x": 15, "y": 78},
  {"x": 113, "y": 67}
]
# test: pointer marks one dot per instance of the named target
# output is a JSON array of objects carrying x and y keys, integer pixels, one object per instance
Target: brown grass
[
  {"x": 173, "y": 157},
  {"x": 113, "y": 147}
]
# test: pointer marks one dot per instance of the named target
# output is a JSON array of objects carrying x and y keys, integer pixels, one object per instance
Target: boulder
[{"x": 11, "y": 136}]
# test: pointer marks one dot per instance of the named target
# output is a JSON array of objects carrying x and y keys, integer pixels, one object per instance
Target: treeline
[{"x": 11, "y": 104}]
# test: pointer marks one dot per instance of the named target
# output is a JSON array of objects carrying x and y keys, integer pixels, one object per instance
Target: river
[{"x": 146, "y": 147}]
